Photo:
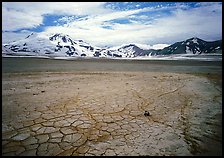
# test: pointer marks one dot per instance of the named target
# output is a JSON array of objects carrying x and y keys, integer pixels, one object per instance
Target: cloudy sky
[{"x": 114, "y": 23}]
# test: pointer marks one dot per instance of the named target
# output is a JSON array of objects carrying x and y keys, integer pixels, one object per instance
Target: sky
[{"x": 114, "y": 23}]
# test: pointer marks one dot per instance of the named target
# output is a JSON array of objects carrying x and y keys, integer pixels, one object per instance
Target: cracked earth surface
[{"x": 103, "y": 114}]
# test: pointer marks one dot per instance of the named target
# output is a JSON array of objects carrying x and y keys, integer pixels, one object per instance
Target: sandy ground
[{"x": 102, "y": 113}]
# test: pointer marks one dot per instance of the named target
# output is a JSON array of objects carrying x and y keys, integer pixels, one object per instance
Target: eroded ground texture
[{"x": 103, "y": 114}]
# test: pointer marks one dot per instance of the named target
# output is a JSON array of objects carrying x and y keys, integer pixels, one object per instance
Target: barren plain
[{"x": 101, "y": 112}]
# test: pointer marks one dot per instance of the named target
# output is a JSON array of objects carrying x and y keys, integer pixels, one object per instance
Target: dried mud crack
[{"x": 103, "y": 114}]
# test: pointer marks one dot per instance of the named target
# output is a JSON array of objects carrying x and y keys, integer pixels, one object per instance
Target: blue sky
[{"x": 114, "y": 23}]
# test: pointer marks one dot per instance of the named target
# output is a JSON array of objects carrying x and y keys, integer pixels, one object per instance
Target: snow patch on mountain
[
  {"x": 194, "y": 40},
  {"x": 159, "y": 46}
]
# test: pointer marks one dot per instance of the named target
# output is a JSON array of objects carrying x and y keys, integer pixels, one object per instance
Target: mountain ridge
[{"x": 62, "y": 45}]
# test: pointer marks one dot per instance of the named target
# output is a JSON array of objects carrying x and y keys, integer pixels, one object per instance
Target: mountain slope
[{"x": 192, "y": 46}]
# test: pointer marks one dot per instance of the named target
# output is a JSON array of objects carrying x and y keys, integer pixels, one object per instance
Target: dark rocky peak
[
  {"x": 63, "y": 37},
  {"x": 130, "y": 45},
  {"x": 56, "y": 36}
]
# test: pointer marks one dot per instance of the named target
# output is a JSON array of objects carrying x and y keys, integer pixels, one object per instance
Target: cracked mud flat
[{"x": 102, "y": 113}]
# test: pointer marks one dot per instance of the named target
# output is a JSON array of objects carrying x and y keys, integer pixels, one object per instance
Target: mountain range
[{"x": 61, "y": 45}]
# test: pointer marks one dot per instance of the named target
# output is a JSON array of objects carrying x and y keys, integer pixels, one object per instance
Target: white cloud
[
  {"x": 180, "y": 25},
  {"x": 17, "y": 15},
  {"x": 201, "y": 22},
  {"x": 98, "y": 27},
  {"x": 69, "y": 8},
  {"x": 100, "y": 19},
  {"x": 13, "y": 20}
]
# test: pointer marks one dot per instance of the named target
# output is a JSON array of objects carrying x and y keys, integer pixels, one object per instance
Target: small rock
[{"x": 147, "y": 113}]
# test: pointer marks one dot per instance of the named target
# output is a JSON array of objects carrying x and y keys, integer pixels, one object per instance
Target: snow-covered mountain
[
  {"x": 61, "y": 45},
  {"x": 55, "y": 45},
  {"x": 134, "y": 50},
  {"x": 192, "y": 46}
]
